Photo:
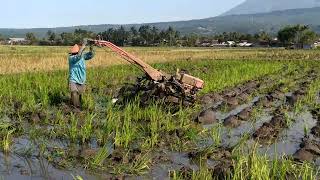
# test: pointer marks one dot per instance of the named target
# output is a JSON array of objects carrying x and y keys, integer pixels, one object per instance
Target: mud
[
  {"x": 276, "y": 126},
  {"x": 207, "y": 117},
  {"x": 310, "y": 146},
  {"x": 232, "y": 96},
  {"x": 232, "y": 122},
  {"x": 270, "y": 131},
  {"x": 233, "y": 108},
  {"x": 289, "y": 140},
  {"x": 25, "y": 163},
  {"x": 224, "y": 104}
]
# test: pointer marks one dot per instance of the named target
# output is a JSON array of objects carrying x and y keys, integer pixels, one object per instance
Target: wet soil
[
  {"x": 235, "y": 104},
  {"x": 233, "y": 108},
  {"x": 310, "y": 146},
  {"x": 277, "y": 126},
  {"x": 271, "y": 130}
]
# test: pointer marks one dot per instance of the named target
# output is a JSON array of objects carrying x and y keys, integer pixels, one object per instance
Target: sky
[{"x": 60, "y": 13}]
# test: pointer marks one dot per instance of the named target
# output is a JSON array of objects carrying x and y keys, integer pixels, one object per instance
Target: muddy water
[
  {"x": 230, "y": 137},
  {"x": 25, "y": 163},
  {"x": 17, "y": 167},
  {"x": 222, "y": 115},
  {"x": 290, "y": 139},
  {"x": 175, "y": 161}
]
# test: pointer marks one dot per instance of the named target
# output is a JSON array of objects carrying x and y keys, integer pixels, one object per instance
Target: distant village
[
  {"x": 206, "y": 43},
  {"x": 258, "y": 44},
  {"x": 290, "y": 37},
  {"x": 15, "y": 41}
]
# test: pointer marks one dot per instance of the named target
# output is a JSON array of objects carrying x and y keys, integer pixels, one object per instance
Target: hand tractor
[{"x": 180, "y": 88}]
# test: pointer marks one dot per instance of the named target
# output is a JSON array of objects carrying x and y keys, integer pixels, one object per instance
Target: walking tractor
[{"x": 177, "y": 89}]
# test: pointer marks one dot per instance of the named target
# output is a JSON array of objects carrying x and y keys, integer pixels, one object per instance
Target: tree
[
  {"x": 263, "y": 36},
  {"x": 155, "y": 35},
  {"x": 298, "y": 34},
  {"x": 67, "y": 38},
  {"x": 308, "y": 37},
  {"x": 120, "y": 36},
  {"x": 145, "y": 33},
  {"x": 134, "y": 37},
  {"x": 31, "y": 38},
  {"x": 191, "y": 40},
  {"x": 80, "y": 34},
  {"x": 172, "y": 36},
  {"x": 51, "y": 36},
  {"x": 133, "y": 31}
]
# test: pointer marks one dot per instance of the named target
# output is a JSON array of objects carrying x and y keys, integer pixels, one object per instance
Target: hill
[
  {"x": 248, "y": 23},
  {"x": 258, "y": 6}
]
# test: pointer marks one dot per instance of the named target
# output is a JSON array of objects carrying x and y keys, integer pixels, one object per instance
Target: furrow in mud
[
  {"x": 240, "y": 122},
  {"x": 277, "y": 108},
  {"x": 231, "y": 97},
  {"x": 234, "y": 105},
  {"x": 310, "y": 146},
  {"x": 243, "y": 123},
  {"x": 269, "y": 127},
  {"x": 270, "y": 131},
  {"x": 289, "y": 140}
]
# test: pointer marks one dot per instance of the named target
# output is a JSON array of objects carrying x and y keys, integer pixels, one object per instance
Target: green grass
[{"x": 148, "y": 129}]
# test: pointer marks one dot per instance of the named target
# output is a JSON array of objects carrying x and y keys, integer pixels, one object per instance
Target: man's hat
[{"x": 75, "y": 49}]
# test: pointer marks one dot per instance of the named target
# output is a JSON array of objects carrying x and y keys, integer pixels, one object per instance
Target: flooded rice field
[{"x": 269, "y": 121}]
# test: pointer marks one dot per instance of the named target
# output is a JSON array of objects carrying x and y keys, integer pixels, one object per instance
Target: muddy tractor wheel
[
  {"x": 146, "y": 91},
  {"x": 176, "y": 94}
]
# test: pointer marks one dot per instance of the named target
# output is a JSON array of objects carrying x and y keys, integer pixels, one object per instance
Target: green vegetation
[
  {"x": 109, "y": 139},
  {"x": 297, "y": 34}
]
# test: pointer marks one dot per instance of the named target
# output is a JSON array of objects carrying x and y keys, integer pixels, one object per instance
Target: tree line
[
  {"x": 152, "y": 36},
  {"x": 143, "y": 36}
]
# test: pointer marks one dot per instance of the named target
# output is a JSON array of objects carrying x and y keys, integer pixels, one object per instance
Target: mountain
[
  {"x": 263, "y": 6},
  {"x": 247, "y": 23}
]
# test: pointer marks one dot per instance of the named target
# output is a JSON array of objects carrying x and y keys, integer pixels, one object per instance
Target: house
[
  {"x": 307, "y": 46},
  {"x": 14, "y": 41},
  {"x": 231, "y": 43},
  {"x": 302, "y": 46},
  {"x": 262, "y": 43},
  {"x": 181, "y": 43},
  {"x": 245, "y": 44},
  {"x": 215, "y": 42},
  {"x": 316, "y": 44},
  {"x": 275, "y": 42},
  {"x": 205, "y": 43},
  {"x": 219, "y": 45}
]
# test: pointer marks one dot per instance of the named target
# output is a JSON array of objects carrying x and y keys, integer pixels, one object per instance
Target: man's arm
[
  {"x": 89, "y": 55},
  {"x": 83, "y": 47}
]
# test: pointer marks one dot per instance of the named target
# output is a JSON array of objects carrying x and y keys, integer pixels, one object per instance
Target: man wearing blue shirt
[{"x": 77, "y": 72}]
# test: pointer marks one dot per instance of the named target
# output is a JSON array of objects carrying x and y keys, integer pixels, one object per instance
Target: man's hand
[{"x": 84, "y": 43}]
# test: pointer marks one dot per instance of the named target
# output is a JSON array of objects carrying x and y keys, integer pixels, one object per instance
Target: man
[{"x": 77, "y": 72}]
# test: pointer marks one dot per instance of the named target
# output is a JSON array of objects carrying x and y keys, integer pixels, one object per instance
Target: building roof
[{"x": 17, "y": 39}]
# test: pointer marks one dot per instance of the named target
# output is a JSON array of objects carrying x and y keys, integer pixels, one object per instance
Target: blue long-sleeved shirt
[{"x": 77, "y": 67}]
